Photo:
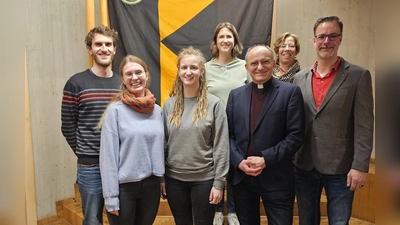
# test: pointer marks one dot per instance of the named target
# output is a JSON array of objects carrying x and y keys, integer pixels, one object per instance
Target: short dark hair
[
  {"x": 101, "y": 29},
  {"x": 329, "y": 19}
]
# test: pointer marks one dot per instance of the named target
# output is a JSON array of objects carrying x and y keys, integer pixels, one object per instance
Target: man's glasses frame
[
  {"x": 263, "y": 63},
  {"x": 331, "y": 37}
]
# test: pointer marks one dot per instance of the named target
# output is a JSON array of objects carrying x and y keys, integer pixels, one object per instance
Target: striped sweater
[{"x": 85, "y": 98}]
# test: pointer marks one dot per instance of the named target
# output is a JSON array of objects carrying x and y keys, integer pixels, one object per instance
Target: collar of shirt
[
  {"x": 334, "y": 68},
  {"x": 265, "y": 88}
]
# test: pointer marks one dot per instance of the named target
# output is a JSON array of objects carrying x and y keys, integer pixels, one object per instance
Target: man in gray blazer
[{"x": 338, "y": 106}]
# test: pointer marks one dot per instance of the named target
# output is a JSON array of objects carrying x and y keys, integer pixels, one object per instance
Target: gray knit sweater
[
  {"x": 200, "y": 153},
  {"x": 131, "y": 149}
]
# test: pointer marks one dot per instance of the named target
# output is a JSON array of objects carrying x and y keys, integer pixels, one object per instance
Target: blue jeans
[
  {"x": 138, "y": 202},
  {"x": 229, "y": 200},
  {"x": 309, "y": 186},
  {"x": 89, "y": 183},
  {"x": 278, "y": 205},
  {"x": 189, "y": 201}
]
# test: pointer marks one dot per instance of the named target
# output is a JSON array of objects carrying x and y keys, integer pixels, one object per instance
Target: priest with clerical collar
[{"x": 266, "y": 128}]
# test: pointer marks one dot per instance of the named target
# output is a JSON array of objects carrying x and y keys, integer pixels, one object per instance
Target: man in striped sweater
[{"x": 85, "y": 97}]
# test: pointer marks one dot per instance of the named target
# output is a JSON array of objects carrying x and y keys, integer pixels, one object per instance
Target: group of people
[{"x": 258, "y": 127}]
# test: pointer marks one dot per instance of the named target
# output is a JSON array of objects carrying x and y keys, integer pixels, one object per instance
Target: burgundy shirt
[{"x": 258, "y": 97}]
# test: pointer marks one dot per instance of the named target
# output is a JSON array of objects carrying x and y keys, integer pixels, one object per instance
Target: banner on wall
[{"x": 155, "y": 30}]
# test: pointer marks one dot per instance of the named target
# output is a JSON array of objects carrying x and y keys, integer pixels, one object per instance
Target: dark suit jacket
[
  {"x": 278, "y": 134},
  {"x": 339, "y": 135}
]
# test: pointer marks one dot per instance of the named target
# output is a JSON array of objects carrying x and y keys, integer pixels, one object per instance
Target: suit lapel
[
  {"x": 246, "y": 106},
  {"x": 271, "y": 96},
  {"x": 336, "y": 83},
  {"x": 309, "y": 90}
]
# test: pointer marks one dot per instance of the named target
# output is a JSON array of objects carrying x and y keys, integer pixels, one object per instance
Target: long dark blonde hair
[
  {"x": 237, "y": 47},
  {"x": 118, "y": 96},
  {"x": 177, "y": 90}
]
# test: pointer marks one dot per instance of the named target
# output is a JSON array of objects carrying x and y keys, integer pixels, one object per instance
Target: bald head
[
  {"x": 259, "y": 48},
  {"x": 260, "y": 63}
]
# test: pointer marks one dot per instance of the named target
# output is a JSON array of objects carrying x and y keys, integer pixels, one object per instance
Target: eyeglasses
[
  {"x": 263, "y": 63},
  {"x": 331, "y": 37},
  {"x": 138, "y": 74},
  {"x": 287, "y": 46}
]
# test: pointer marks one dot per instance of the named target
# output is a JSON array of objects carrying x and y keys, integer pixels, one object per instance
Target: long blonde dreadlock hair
[{"x": 177, "y": 90}]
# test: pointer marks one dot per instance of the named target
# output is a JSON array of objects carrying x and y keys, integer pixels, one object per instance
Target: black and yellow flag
[{"x": 155, "y": 30}]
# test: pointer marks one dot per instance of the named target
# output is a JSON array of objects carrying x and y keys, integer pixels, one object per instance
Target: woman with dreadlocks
[{"x": 197, "y": 143}]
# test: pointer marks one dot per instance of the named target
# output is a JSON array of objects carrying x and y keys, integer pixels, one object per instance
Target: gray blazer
[{"x": 339, "y": 136}]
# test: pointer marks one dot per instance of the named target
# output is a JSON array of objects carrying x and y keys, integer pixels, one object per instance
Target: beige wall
[
  {"x": 55, "y": 51},
  {"x": 12, "y": 144},
  {"x": 358, "y": 44}
]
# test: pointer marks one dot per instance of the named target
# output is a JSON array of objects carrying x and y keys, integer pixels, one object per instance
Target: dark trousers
[
  {"x": 278, "y": 205},
  {"x": 138, "y": 202},
  {"x": 189, "y": 201}
]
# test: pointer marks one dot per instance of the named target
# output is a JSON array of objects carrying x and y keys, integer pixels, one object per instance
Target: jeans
[
  {"x": 278, "y": 205},
  {"x": 309, "y": 186},
  {"x": 229, "y": 200},
  {"x": 89, "y": 183},
  {"x": 189, "y": 201},
  {"x": 138, "y": 202}
]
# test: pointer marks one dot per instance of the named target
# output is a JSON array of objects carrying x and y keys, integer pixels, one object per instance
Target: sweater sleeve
[
  {"x": 69, "y": 114},
  {"x": 221, "y": 145},
  {"x": 166, "y": 136},
  {"x": 109, "y": 158},
  {"x": 166, "y": 110}
]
